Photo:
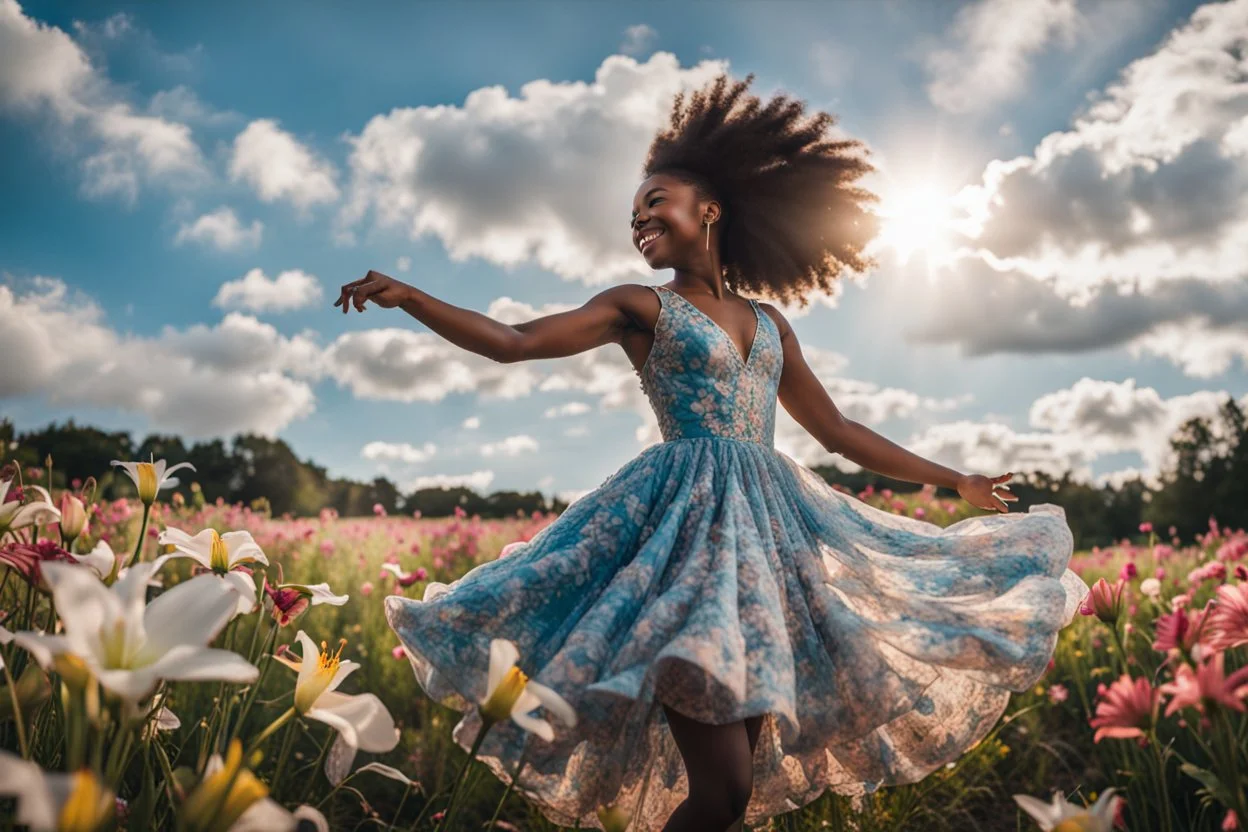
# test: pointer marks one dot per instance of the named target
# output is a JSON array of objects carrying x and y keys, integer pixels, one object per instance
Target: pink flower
[
  {"x": 1180, "y": 630},
  {"x": 398, "y": 652},
  {"x": 1146, "y": 527},
  {"x": 27, "y": 559},
  {"x": 1230, "y": 822},
  {"x": 1207, "y": 685},
  {"x": 366, "y": 588},
  {"x": 511, "y": 547},
  {"x": 1127, "y": 709},
  {"x": 379, "y": 510},
  {"x": 1058, "y": 694},
  {"x": 1241, "y": 572},
  {"x": 1105, "y": 601},
  {"x": 1214, "y": 569},
  {"x": 1128, "y": 571},
  {"x": 920, "y": 512},
  {"x": 1228, "y": 620}
]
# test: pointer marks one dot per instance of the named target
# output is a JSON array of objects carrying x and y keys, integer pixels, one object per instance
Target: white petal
[
  {"x": 310, "y": 813},
  {"x": 387, "y": 771},
  {"x": 82, "y": 601},
  {"x": 198, "y": 546},
  {"x": 100, "y": 559},
  {"x": 338, "y": 761},
  {"x": 243, "y": 548},
  {"x": 131, "y": 468},
  {"x": 190, "y": 664},
  {"x": 36, "y": 805},
  {"x": 265, "y": 815},
  {"x": 553, "y": 702},
  {"x": 127, "y": 684},
  {"x": 345, "y": 668},
  {"x": 321, "y": 594},
  {"x": 34, "y": 513},
  {"x": 1043, "y": 813},
  {"x": 534, "y": 726},
  {"x": 42, "y": 647},
  {"x": 192, "y": 612},
  {"x": 370, "y": 725},
  {"x": 243, "y": 586},
  {"x": 503, "y": 655},
  {"x": 308, "y": 654},
  {"x": 168, "y": 481}
]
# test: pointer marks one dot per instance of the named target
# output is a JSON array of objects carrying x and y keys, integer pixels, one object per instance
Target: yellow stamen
[
  {"x": 503, "y": 699},
  {"x": 219, "y": 558},
  {"x": 89, "y": 807},
  {"x": 1079, "y": 823},
  {"x": 245, "y": 791},
  {"x": 146, "y": 472},
  {"x": 326, "y": 669}
]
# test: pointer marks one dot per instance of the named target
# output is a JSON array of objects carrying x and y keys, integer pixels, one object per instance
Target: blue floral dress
[{"x": 716, "y": 575}]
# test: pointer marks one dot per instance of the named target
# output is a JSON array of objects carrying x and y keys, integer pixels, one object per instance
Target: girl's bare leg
[{"x": 719, "y": 763}]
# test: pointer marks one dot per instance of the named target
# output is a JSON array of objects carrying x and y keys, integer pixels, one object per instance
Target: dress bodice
[{"x": 698, "y": 382}]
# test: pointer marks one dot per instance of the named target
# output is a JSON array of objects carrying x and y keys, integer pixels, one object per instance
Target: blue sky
[{"x": 1061, "y": 284}]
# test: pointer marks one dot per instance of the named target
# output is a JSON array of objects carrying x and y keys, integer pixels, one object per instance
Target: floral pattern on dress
[{"x": 717, "y": 575}]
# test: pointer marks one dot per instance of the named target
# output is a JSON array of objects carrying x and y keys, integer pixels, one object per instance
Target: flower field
[{"x": 171, "y": 664}]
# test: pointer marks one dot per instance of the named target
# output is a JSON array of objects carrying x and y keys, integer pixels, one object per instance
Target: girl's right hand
[{"x": 381, "y": 289}]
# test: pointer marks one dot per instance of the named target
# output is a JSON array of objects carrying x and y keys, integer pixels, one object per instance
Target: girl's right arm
[{"x": 603, "y": 319}]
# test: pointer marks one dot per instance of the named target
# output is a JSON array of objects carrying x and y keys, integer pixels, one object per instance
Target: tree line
[{"x": 1208, "y": 479}]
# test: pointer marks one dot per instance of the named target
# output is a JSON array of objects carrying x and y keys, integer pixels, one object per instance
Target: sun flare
[{"x": 917, "y": 218}]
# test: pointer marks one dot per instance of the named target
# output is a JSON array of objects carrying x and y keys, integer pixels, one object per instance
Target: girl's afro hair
[{"x": 790, "y": 219}]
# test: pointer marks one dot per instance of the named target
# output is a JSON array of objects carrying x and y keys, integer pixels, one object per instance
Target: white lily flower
[
  {"x": 227, "y": 555},
  {"x": 1061, "y": 816},
  {"x": 511, "y": 694},
  {"x": 48, "y": 802},
  {"x": 362, "y": 721},
  {"x": 150, "y": 477},
  {"x": 14, "y": 515},
  {"x": 100, "y": 559},
  {"x": 129, "y": 647}
]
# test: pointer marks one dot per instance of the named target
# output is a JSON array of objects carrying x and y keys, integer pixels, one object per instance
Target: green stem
[
  {"x": 1165, "y": 786},
  {"x": 287, "y": 742},
  {"x": 459, "y": 779},
  {"x": 316, "y": 766},
  {"x": 17, "y": 712},
  {"x": 514, "y": 777},
  {"x": 398, "y": 813},
  {"x": 138, "y": 548},
  {"x": 255, "y": 688},
  {"x": 268, "y": 732}
]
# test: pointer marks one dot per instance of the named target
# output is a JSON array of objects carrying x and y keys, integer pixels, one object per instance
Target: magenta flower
[
  {"x": 1105, "y": 601},
  {"x": 1207, "y": 685},
  {"x": 1146, "y": 527},
  {"x": 27, "y": 560},
  {"x": 1127, "y": 708},
  {"x": 1128, "y": 571},
  {"x": 1228, "y": 620},
  {"x": 1180, "y": 630}
]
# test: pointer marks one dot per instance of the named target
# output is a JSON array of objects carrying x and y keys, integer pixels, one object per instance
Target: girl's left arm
[{"x": 806, "y": 400}]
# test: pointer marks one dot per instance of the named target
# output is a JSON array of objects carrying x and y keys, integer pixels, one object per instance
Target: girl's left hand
[{"x": 982, "y": 492}]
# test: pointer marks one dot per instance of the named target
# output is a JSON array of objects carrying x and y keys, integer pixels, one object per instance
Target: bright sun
[{"x": 916, "y": 219}]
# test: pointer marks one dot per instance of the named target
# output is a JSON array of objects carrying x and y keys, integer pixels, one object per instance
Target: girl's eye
[{"x": 633, "y": 222}]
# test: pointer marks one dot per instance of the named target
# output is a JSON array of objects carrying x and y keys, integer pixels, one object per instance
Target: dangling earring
[{"x": 708, "y": 236}]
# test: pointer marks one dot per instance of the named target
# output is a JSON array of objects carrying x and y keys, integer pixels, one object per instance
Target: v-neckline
[{"x": 758, "y": 325}]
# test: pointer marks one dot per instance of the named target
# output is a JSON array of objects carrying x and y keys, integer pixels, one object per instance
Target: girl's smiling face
[{"x": 668, "y": 222}]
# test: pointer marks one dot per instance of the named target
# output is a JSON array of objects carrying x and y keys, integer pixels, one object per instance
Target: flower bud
[{"x": 73, "y": 517}]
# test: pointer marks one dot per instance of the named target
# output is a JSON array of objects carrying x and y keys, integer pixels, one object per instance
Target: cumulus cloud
[
  {"x": 637, "y": 39},
  {"x": 203, "y": 381},
  {"x": 1125, "y": 229},
  {"x": 278, "y": 166},
  {"x": 43, "y": 72},
  {"x": 510, "y": 446},
  {"x": 478, "y": 480},
  {"x": 293, "y": 289},
  {"x": 403, "y": 452},
  {"x": 221, "y": 229},
  {"x": 993, "y": 42}
]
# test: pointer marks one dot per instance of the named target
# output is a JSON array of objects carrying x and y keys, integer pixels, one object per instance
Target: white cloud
[
  {"x": 293, "y": 289},
  {"x": 477, "y": 481},
  {"x": 504, "y": 178},
  {"x": 993, "y": 43},
  {"x": 567, "y": 409},
  {"x": 181, "y": 104},
  {"x": 403, "y": 264},
  {"x": 471, "y": 423},
  {"x": 1130, "y": 228},
  {"x": 222, "y": 229},
  {"x": 637, "y": 39},
  {"x": 278, "y": 166},
  {"x": 399, "y": 452},
  {"x": 44, "y": 72},
  {"x": 510, "y": 446},
  {"x": 402, "y": 365},
  {"x": 238, "y": 376}
]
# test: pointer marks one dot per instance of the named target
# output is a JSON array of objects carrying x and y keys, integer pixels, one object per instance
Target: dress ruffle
[{"x": 724, "y": 579}]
